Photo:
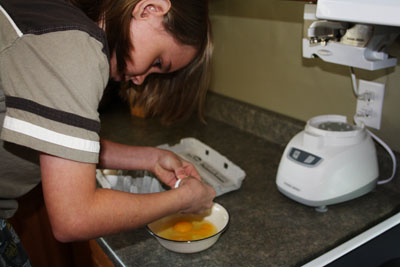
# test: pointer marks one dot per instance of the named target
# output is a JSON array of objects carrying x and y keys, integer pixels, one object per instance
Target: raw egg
[
  {"x": 188, "y": 229},
  {"x": 183, "y": 227}
]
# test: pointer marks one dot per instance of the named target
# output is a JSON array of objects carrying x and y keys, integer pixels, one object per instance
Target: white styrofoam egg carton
[
  {"x": 215, "y": 169},
  {"x": 117, "y": 180}
]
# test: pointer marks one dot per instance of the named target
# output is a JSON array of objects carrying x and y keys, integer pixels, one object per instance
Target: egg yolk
[
  {"x": 188, "y": 229},
  {"x": 183, "y": 227}
]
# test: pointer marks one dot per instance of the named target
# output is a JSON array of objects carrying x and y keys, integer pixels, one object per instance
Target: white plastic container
[{"x": 215, "y": 169}]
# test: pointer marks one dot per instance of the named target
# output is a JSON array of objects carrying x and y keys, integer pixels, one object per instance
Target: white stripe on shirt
[
  {"x": 50, "y": 136},
  {"x": 17, "y": 30}
]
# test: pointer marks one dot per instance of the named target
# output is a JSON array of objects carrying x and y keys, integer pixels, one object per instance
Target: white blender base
[{"x": 321, "y": 204}]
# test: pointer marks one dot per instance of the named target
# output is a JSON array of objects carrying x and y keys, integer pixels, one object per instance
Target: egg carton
[
  {"x": 215, "y": 169},
  {"x": 120, "y": 180}
]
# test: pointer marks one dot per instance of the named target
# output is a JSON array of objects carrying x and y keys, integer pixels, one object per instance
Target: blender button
[
  {"x": 309, "y": 159},
  {"x": 295, "y": 154}
]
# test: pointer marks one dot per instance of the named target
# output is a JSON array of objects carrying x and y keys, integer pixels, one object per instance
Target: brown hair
[{"x": 171, "y": 96}]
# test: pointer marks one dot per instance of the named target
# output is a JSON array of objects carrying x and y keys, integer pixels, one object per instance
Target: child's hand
[
  {"x": 197, "y": 195},
  {"x": 169, "y": 167}
]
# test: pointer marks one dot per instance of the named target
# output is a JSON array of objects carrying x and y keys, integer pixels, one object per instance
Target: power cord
[
  {"x": 385, "y": 146},
  {"x": 376, "y": 138},
  {"x": 354, "y": 81}
]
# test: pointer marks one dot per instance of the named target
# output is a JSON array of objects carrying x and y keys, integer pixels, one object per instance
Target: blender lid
[{"x": 336, "y": 126}]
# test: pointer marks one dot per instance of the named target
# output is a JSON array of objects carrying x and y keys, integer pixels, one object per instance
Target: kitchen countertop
[{"x": 266, "y": 228}]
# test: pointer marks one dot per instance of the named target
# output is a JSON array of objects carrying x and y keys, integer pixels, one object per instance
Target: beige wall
[{"x": 258, "y": 60}]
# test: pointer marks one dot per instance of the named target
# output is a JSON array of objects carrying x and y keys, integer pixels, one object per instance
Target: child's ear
[{"x": 146, "y": 8}]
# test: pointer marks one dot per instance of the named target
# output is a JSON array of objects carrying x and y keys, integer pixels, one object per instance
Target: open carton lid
[{"x": 215, "y": 169}]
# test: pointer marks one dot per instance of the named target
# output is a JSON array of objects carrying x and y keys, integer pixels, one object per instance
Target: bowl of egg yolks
[{"x": 190, "y": 233}]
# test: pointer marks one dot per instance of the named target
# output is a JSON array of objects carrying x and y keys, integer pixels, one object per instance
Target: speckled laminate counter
[{"x": 266, "y": 228}]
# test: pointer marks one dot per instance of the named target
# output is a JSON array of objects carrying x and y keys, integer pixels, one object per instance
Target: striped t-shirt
[{"x": 54, "y": 66}]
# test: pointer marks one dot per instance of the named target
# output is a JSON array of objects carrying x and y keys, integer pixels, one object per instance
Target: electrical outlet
[{"x": 369, "y": 103}]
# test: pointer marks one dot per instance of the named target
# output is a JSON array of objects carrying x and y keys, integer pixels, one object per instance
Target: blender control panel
[{"x": 303, "y": 157}]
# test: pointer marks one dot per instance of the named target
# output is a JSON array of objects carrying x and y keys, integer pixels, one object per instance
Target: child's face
[{"x": 154, "y": 51}]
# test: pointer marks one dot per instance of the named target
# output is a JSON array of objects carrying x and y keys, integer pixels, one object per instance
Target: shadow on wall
[{"x": 281, "y": 10}]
